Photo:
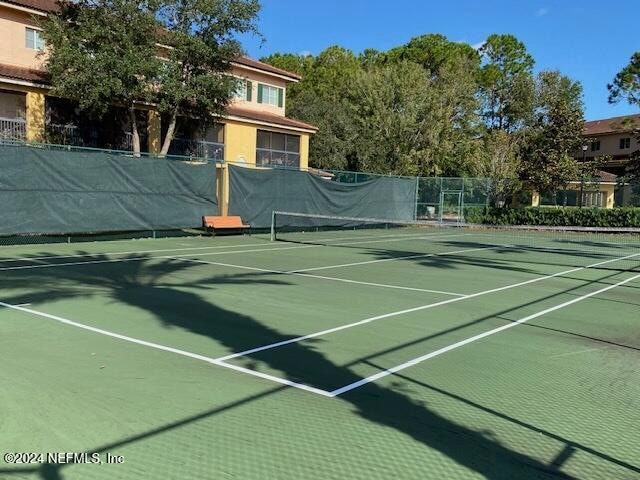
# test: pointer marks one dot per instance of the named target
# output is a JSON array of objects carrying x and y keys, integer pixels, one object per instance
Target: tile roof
[
  {"x": 267, "y": 118},
  {"x": 606, "y": 177},
  {"x": 21, "y": 73},
  {"x": 42, "y": 5},
  {"x": 609, "y": 125},
  {"x": 250, "y": 62}
]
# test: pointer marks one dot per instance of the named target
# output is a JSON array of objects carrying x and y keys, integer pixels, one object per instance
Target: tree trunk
[
  {"x": 135, "y": 136},
  {"x": 171, "y": 129}
]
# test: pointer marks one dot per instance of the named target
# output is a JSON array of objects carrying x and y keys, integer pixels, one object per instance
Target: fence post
[{"x": 415, "y": 207}]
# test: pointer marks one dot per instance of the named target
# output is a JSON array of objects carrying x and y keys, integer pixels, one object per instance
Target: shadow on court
[{"x": 165, "y": 290}]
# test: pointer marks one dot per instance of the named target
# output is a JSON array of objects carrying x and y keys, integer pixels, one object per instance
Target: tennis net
[{"x": 547, "y": 245}]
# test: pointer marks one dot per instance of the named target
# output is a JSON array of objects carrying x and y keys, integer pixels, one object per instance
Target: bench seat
[{"x": 216, "y": 223}]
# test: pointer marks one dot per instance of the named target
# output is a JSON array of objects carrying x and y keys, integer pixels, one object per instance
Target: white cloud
[
  {"x": 479, "y": 45},
  {"x": 305, "y": 53},
  {"x": 541, "y": 12}
]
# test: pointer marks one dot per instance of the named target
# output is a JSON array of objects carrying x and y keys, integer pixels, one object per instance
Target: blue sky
[{"x": 589, "y": 41}]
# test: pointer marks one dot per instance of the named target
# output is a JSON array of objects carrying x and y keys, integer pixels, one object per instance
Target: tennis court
[{"x": 413, "y": 352}]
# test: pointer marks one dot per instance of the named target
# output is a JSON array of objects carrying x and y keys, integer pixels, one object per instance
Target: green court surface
[{"x": 409, "y": 353}]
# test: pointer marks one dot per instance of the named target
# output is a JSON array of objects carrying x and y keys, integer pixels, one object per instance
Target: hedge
[{"x": 562, "y": 216}]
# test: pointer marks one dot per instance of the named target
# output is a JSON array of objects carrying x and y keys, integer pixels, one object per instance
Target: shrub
[{"x": 582, "y": 217}]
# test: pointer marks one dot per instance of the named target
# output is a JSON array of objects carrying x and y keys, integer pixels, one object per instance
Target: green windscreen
[
  {"x": 47, "y": 191},
  {"x": 256, "y": 193}
]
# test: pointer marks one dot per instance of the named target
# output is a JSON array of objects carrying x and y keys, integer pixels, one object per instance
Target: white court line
[
  {"x": 475, "y": 338},
  {"x": 82, "y": 255},
  {"x": 165, "y": 348},
  {"x": 417, "y": 309},
  {"x": 335, "y": 279},
  {"x": 391, "y": 259},
  {"x": 133, "y": 259},
  {"x": 220, "y": 361},
  {"x": 48, "y": 257}
]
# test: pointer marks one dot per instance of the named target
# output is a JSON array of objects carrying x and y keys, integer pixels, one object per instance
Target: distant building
[
  {"x": 611, "y": 141},
  {"x": 254, "y": 131}
]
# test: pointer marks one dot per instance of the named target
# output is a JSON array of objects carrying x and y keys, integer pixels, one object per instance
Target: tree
[
  {"x": 321, "y": 99},
  {"x": 626, "y": 85},
  {"x": 194, "y": 82},
  {"x": 500, "y": 162},
  {"x": 506, "y": 82},
  {"x": 555, "y": 134},
  {"x": 433, "y": 52},
  {"x": 291, "y": 62},
  {"x": 174, "y": 54},
  {"x": 101, "y": 53}
]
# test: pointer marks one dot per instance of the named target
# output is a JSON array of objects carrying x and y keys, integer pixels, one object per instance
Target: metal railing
[
  {"x": 13, "y": 128},
  {"x": 197, "y": 148}
]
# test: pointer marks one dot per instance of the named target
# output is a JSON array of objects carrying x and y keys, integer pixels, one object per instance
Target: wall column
[
  {"x": 535, "y": 199},
  {"x": 35, "y": 104},
  {"x": 304, "y": 151},
  {"x": 154, "y": 133}
]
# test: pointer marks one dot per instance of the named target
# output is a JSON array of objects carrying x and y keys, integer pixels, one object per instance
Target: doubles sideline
[
  {"x": 243, "y": 245},
  {"x": 419, "y": 308},
  {"x": 475, "y": 338},
  {"x": 251, "y": 250},
  {"x": 301, "y": 273}
]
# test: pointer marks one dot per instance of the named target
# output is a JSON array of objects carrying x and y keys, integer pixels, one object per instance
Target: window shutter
[
  {"x": 280, "y": 97},
  {"x": 260, "y": 86},
  {"x": 249, "y": 87}
]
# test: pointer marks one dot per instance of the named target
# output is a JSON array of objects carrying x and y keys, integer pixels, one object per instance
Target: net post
[{"x": 273, "y": 226}]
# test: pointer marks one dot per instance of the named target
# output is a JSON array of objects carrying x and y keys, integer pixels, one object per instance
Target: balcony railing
[
  {"x": 197, "y": 148},
  {"x": 70, "y": 135},
  {"x": 13, "y": 128}
]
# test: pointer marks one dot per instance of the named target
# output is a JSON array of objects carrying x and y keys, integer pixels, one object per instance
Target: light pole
[{"x": 584, "y": 153}]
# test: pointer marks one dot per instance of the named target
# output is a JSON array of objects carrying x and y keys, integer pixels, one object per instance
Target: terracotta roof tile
[
  {"x": 21, "y": 73},
  {"x": 250, "y": 62},
  {"x": 42, "y": 5},
  {"x": 607, "y": 177},
  {"x": 267, "y": 118},
  {"x": 609, "y": 125}
]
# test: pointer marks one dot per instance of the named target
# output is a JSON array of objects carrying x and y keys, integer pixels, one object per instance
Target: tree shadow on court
[
  {"x": 165, "y": 290},
  {"x": 515, "y": 258}
]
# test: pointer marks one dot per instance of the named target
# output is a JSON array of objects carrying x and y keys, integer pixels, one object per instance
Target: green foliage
[
  {"x": 581, "y": 217},
  {"x": 555, "y": 134},
  {"x": 499, "y": 160},
  {"x": 436, "y": 107},
  {"x": 101, "y": 53},
  {"x": 506, "y": 82},
  {"x": 105, "y": 52},
  {"x": 433, "y": 52},
  {"x": 291, "y": 62},
  {"x": 201, "y": 34},
  {"x": 378, "y": 111},
  {"x": 626, "y": 84}
]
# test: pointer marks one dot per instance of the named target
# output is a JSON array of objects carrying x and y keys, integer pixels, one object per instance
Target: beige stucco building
[
  {"x": 611, "y": 141},
  {"x": 254, "y": 131}
]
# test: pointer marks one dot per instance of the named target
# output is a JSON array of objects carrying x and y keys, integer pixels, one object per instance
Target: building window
[
  {"x": 34, "y": 39},
  {"x": 595, "y": 146},
  {"x": 243, "y": 90},
  {"x": 270, "y": 95},
  {"x": 277, "y": 150},
  {"x": 625, "y": 143}
]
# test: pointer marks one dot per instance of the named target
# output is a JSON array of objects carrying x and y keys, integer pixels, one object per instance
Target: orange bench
[{"x": 214, "y": 223}]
